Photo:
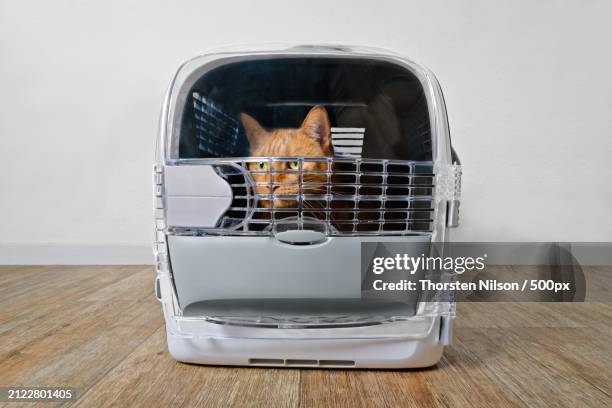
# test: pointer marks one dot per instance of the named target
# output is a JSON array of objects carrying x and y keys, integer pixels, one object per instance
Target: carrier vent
[
  {"x": 348, "y": 142},
  {"x": 341, "y": 196},
  {"x": 217, "y": 133},
  {"x": 300, "y": 362}
]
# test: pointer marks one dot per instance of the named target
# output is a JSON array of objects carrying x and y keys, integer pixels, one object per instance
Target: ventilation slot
[
  {"x": 266, "y": 361},
  {"x": 348, "y": 142},
  {"x": 217, "y": 133},
  {"x": 336, "y": 363},
  {"x": 301, "y": 362}
]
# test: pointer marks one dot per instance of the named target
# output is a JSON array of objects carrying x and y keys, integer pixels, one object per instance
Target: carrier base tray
[
  {"x": 315, "y": 310},
  {"x": 257, "y": 346}
]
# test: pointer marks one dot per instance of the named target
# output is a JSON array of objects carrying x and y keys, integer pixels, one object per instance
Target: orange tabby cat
[{"x": 311, "y": 139}]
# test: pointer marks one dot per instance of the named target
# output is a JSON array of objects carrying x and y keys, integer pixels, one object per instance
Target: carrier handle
[{"x": 300, "y": 237}]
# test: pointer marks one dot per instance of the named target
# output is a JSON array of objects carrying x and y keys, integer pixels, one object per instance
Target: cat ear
[
  {"x": 254, "y": 132},
  {"x": 317, "y": 126}
]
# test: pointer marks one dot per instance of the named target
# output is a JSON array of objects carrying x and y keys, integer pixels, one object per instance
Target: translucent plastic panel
[
  {"x": 367, "y": 109},
  {"x": 336, "y": 196}
]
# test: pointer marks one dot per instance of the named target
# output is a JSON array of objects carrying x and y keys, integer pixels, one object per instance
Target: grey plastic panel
[
  {"x": 199, "y": 180},
  {"x": 201, "y": 212},
  {"x": 281, "y": 308},
  {"x": 196, "y": 196},
  {"x": 215, "y": 268}
]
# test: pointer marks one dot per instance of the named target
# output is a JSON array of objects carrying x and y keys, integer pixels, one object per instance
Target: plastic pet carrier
[{"x": 273, "y": 167}]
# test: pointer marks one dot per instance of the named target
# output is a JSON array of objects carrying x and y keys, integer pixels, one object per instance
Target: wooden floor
[{"x": 100, "y": 330}]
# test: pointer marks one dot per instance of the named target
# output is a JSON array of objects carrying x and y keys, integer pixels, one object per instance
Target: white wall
[{"x": 528, "y": 86}]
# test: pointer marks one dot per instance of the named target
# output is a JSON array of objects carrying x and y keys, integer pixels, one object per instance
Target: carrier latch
[
  {"x": 158, "y": 293},
  {"x": 448, "y": 188},
  {"x": 452, "y": 213}
]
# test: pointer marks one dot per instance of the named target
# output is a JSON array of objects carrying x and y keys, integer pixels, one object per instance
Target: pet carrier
[{"x": 273, "y": 168}]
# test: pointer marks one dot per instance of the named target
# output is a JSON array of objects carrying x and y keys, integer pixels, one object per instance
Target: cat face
[{"x": 311, "y": 139}]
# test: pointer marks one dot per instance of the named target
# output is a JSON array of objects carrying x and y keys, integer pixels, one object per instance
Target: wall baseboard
[
  {"x": 142, "y": 254},
  {"x": 69, "y": 254}
]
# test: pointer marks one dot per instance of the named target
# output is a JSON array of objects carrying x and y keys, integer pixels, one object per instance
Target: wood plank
[
  {"x": 445, "y": 385},
  {"x": 80, "y": 342},
  {"x": 594, "y": 315},
  {"x": 598, "y": 283},
  {"x": 100, "y": 329},
  {"x": 534, "y": 372},
  {"x": 583, "y": 353},
  {"x": 56, "y": 285},
  {"x": 66, "y": 309},
  {"x": 150, "y": 377},
  {"x": 515, "y": 314}
]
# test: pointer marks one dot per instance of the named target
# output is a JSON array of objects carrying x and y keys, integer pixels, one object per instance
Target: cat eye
[
  {"x": 262, "y": 166},
  {"x": 294, "y": 165}
]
